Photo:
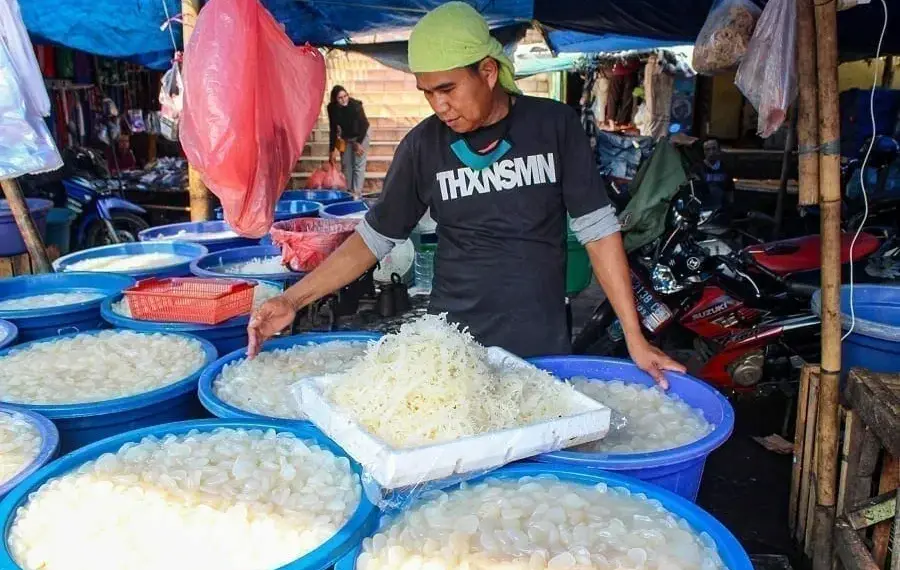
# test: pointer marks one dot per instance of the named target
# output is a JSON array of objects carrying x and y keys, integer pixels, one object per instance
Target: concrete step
[
  {"x": 374, "y": 163},
  {"x": 382, "y": 148},
  {"x": 374, "y": 181},
  {"x": 376, "y": 134}
]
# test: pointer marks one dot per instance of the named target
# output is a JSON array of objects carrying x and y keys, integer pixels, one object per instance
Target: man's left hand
[
  {"x": 653, "y": 361},
  {"x": 358, "y": 148}
]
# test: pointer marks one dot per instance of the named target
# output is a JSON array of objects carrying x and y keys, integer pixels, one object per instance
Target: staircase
[{"x": 393, "y": 106}]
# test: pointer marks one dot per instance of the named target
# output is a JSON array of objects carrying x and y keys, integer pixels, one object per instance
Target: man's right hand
[
  {"x": 335, "y": 156},
  {"x": 269, "y": 319}
]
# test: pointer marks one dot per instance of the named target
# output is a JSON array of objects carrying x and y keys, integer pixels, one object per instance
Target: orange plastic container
[{"x": 190, "y": 299}]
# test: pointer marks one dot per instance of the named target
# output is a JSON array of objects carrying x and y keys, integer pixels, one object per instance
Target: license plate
[{"x": 653, "y": 313}]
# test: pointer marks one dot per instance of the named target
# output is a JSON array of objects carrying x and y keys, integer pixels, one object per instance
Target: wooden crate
[
  {"x": 21, "y": 264},
  {"x": 870, "y": 473}
]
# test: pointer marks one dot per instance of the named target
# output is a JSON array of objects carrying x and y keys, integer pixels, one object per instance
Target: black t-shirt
[{"x": 500, "y": 260}]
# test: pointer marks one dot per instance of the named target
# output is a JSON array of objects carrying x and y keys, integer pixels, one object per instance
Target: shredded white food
[
  {"x": 262, "y": 385},
  {"x": 96, "y": 367},
  {"x": 20, "y": 444},
  {"x": 261, "y": 293},
  {"x": 198, "y": 236},
  {"x": 431, "y": 383},
  {"x": 128, "y": 262},
  {"x": 258, "y": 266},
  {"x": 48, "y": 300},
  {"x": 654, "y": 420},
  {"x": 231, "y": 499},
  {"x": 539, "y": 523}
]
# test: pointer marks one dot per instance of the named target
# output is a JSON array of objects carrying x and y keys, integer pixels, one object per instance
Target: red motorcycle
[{"x": 732, "y": 317}]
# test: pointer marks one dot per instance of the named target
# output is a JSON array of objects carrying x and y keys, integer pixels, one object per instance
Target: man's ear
[{"x": 490, "y": 70}]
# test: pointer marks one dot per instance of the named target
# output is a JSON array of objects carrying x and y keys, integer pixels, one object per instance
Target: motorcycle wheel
[{"x": 126, "y": 224}]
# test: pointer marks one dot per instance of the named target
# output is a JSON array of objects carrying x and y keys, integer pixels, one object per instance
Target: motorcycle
[
  {"x": 84, "y": 186},
  {"x": 732, "y": 316}
]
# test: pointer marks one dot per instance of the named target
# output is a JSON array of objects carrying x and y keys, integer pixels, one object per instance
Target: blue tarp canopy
[{"x": 131, "y": 28}]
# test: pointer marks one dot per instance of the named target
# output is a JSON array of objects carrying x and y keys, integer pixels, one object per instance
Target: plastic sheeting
[{"x": 578, "y": 42}]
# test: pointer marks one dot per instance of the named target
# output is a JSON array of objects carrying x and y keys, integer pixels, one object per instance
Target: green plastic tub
[{"x": 578, "y": 266}]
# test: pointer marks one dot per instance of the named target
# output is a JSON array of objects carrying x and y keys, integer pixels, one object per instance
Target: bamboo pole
[
  {"x": 201, "y": 199},
  {"x": 808, "y": 105},
  {"x": 30, "y": 235},
  {"x": 790, "y": 143},
  {"x": 830, "y": 204}
]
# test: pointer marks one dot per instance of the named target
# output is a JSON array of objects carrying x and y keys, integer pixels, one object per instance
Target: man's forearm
[
  {"x": 611, "y": 268},
  {"x": 345, "y": 265}
]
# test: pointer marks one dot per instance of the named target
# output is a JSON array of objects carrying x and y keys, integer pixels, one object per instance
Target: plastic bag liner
[
  {"x": 725, "y": 36},
  {"x": 327, "y": 176},
  {"x": 28, "y": 147},
  {"x": 768, "y": 74},
  {"x": 251, "y": 99},
  {"x": 306, "y": 242},
  {"x": 395, "y": 477}
]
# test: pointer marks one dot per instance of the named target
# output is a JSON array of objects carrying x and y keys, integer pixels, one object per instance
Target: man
[
  {"x": 498, "y": 171},
  {"x": 718, "y": 181}
]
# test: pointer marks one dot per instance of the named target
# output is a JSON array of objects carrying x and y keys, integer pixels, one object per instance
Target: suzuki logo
[{"x": 714, "y": 310}]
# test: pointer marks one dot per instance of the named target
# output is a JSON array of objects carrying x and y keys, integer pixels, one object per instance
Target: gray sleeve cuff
[
  {"x": 379, "y": 245},
  {"x": 596, "y": 225}
]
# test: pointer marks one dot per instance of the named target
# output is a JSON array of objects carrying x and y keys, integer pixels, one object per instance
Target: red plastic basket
[
  {"x": 190, "y": 299},
  {"x": 307, "y": 242}
]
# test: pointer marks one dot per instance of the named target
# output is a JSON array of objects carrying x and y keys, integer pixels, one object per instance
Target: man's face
[
  {"x": 712, "y": 151},
  {"x": 462, "y": 98}
]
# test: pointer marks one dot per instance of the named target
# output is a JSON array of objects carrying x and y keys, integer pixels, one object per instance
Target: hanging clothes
[{"x": 658, "y": 88}]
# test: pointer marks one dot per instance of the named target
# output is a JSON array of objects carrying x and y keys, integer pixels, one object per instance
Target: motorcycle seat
[{"x": 795, "y": 255}]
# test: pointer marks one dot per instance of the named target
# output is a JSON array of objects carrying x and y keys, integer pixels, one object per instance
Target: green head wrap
[{"x": 455, "y": 35}]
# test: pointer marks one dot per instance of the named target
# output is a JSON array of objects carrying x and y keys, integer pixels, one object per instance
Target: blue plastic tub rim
[
  {"x": 865, "y": 295},
  {"x": 116, "y": 405},
  {"x": 188, "y": 249},
  {"x": 237, "y": 255},
  {"x": 170, "y": 231},
  {"x": 49, "y": 445},
  {"x": 730, "y": 550},
  {"x": 88, "y": 281},
  {"x": 8, "y": 334},
  {"x": 216, "y": 405},
  {"x": 360, "y": 524},
  {"x": 35, "y": 206},
  {"x": 123, "y": 322},
  {"x": 326, "y": 196},
  {"x": 326, "y": 211},
  {"x": 648, "y": 459}
]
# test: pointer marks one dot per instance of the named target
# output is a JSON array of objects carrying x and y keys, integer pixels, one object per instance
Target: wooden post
[
  {"x": 790, "y": 143},
  {"x": 30, "y": 235},
  {"x": 830, "y": 230},
  {"x": 201, "y": 199},
  {"x": 881, "y": 535},
  {"x": 808, "y": 104},
  {"x": 887, "y": 75}
]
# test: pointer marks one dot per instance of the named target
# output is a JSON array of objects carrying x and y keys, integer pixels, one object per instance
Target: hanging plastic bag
[
  {"x": 768, "y": 74},
  {"x": 724, "y": 38},
  {"x": 171, "y": 103},
  {"x": 327, "y": 176},
  {"x": 306, "y": 242},
  {"x": 251, "y": 100}
]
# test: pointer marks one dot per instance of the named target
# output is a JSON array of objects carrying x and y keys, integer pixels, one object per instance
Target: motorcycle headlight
[{"x": 664, "y": 280}]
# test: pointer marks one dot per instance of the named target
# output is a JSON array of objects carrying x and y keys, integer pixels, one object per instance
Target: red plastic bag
[
  {"x": 768, "y": 74},
  {"x": 251, "y": 100},
  {"x": 327, "y": 176},
  {"x": 306, "y": 242}
]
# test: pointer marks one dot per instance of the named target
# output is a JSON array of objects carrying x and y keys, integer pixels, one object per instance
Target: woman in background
[{"x": 348, "y": 137}]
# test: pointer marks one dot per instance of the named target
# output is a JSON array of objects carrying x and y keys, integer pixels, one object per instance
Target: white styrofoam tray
[{"x": 395, "y": 468}]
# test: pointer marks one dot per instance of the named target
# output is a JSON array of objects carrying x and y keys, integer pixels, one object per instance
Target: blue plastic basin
[
  {"x": 678, "y": 470},
  {"x": 222, "y": 409},
  {"x": 211, "y": 265},
  {"x": 170, "y": 232},
  {"x": 324, "y": 197},
  {"x": 342, "y": 209},
  {"x": 81, "y": 424},
  {"x": 361, "y": 523},
  {"x": 34, "y": 324},
  {"x": 190, "y": 250},
  {"x": 875, "y": 340},
  {"x": 48, "y": 449},
  {"x": 287, "y": 210},
  {"x": 11, "y": 242},
  {"x": 730, "y": 550},
  {"x": 226, "y": 336},
  {"x": 9, "y": 333}
]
